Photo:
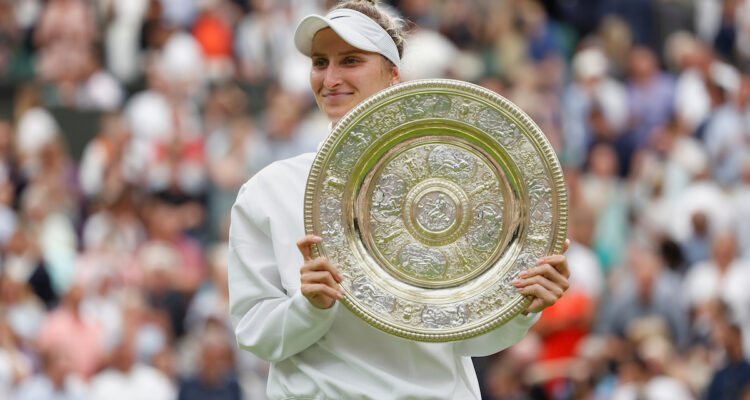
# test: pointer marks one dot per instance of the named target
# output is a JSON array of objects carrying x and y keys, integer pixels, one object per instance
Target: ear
[{"x": 396, "y": 77}]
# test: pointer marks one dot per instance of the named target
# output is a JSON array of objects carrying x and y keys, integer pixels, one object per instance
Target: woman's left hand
[{"x": 546, "y": 282}]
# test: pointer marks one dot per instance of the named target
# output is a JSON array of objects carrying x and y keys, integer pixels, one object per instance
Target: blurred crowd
[{"x": 113, "y": 264}]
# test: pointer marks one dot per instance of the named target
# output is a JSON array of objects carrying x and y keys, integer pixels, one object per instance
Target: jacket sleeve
[
  {"x": 269, "y": 320},
  {"x": 502, "y": 337}
]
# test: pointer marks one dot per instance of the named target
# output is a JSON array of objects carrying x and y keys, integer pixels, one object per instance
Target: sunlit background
[{"x": 128, "y": 126}]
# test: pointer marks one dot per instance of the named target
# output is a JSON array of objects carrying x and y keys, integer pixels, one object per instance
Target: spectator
[
  {"x": 586, "y": 272},
  {"x": 603, "y": 192},
  {"x": 431, "y": 54},
  {"x": 128, "y": 379},
  {"x": 617, "y": 40},
  {"x": 213, "y": 31},
  {"x": 543, "y": 37},
  {"x": 702, "y": 195},
  {"x": 637, "y": 13},
  {"x": 181, "y": 13},
  {"x": 6, "y": 150},
  {"x": 113, "y": 227},
  {"x": 215, "y": 378},
  {"x": 55, "y": 381},
  {"x": 261, "y": 42},
  {"x": 166, "y": 224},
  {"x": 212, "y": 300},
  {"x": 104, "y": 171},
  {"x": 35, "y": 129},
  {"x": 13, "y": 366},
  {"x": 461, "y": 23},
  {"x": 65, "y": 36},
  {"x": 503, "y": 381},
  {"x": 741, "y": 210},
  {"x": 697, "y": 247},
  {"x": 22, "y": 312},
  {"x": 9, "y": 34},
  {"x": 595, "y": 106},
  {"x": 231, "y": 157},
  {"x": 726, "y": 135},
  {"x": 650, "y": 292},
  {"x": 283, "y": 132},
  {"x": 691, "y": 60},
  {"x": 121, "y": 37},
  {"x": 733, "y": 379},
  {"x": 80, "y": 341},
  {"x": 25, "y": 264},
  {"x": 650, "y": 95},
  {"x": 183, "y": 64},
  {"x": 724, "y": 277},
  {"x": 97, "y": 88}
]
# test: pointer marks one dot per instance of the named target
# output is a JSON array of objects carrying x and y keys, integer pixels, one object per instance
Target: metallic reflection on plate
[{"x": 431, "y": 197}]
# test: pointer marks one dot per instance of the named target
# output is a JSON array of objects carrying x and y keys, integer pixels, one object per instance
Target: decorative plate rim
[{"x": 519, "y": 302}]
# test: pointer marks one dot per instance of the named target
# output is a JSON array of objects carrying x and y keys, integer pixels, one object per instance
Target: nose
[{"x": 332, "y": 76}]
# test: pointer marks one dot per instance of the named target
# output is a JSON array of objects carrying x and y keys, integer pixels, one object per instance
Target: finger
[
  {"x": 556, "y": 289},
  {"x": 557, "y": 261},
  {"x": 324, "y": 277},
  {"x": 540, "y": 292},
  {"x": 304, "y": 245},
  {"x": 319, "y": 289},
  {"x": 322, "y": 264},
  {"x": 535, "y": 306},
  {"x": 549, "y": 272},
  {"x": 566, "y": 246}
]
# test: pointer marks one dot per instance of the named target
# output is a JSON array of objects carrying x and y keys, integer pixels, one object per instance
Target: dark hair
[{"x": 391, "y": 25}]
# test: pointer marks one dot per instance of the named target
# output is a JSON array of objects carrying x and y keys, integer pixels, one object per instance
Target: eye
[
  {"x": 319, "y": 62},
  {"x": 351, "y": 60}
]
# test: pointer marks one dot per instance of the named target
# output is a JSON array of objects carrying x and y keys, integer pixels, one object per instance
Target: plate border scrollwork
[{"x": 482, "y": 307}]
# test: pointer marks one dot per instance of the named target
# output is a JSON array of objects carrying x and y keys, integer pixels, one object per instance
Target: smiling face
[{"x": 342, "y": 75}]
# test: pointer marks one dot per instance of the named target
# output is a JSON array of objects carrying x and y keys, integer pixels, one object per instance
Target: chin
[{"x": 335, "y": 116}]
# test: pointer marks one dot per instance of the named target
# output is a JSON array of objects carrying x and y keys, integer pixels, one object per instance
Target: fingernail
[
  {"x": 517, "y": 282},
  {"x": 524, "y": 274},
  {"x": 340, "y": 276},
  {"x": 540, "y": 261}
]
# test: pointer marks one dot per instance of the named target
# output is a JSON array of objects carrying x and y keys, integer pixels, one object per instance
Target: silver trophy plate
[{"x": 431, "y": 197}]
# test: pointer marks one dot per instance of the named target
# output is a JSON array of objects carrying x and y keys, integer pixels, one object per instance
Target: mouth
[{"x": 336, "y": 95}]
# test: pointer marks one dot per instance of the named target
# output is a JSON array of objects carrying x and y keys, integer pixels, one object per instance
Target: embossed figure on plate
[
  {"x": 387, "y": 197},
  {"x": 541, "y": 207},
  {"x": 421, "y": 261},
  {"x": 426, "y": 106},
  {"x": 499, "y": 127},
  {"x": 436, "y": 211},
  {"x": 441, "y": 317},
  {"x": 330, "y": 217},
  {"x": 363, "y": 289},
  {"x": 488, "y": 223},
  {"x": 359, "y": 138},
  {"x": 452, "y": 162}
]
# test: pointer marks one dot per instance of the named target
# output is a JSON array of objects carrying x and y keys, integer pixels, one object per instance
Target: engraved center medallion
[{"x": 436, "y": 212}]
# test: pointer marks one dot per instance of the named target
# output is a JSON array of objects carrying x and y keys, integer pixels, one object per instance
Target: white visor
[{"x": 354, "y": 27}]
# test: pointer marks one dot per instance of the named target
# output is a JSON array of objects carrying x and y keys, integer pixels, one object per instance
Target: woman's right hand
[{"x": 319, "y": 278}]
